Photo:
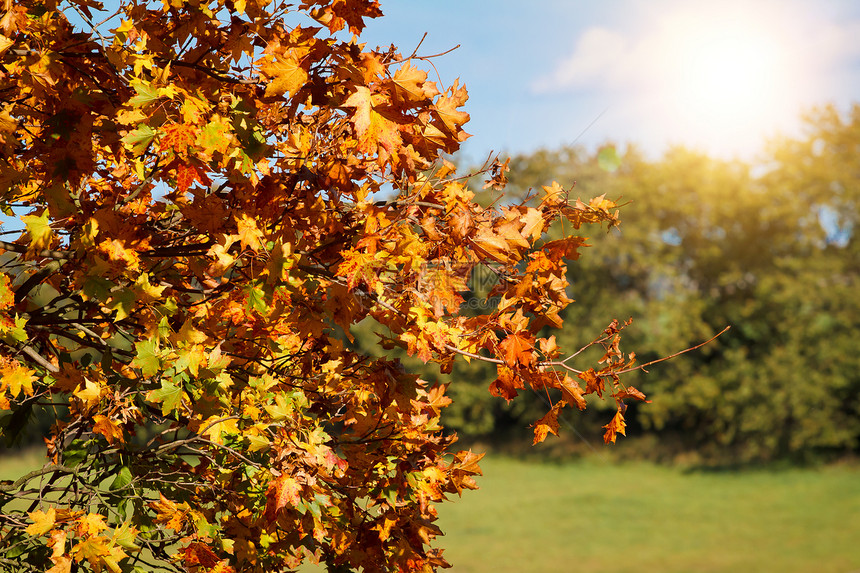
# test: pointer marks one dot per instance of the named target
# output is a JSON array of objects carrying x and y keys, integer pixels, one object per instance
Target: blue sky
[{"x": 719, "y": 76}]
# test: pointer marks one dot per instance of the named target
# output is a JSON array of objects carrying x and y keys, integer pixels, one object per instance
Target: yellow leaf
[
  {"x": 384, "y": 528},
  {"x": 492, "y": 245},
  {"x": 91, "y": 524},
  {"x": 412, "y": 85},
  {"x": 16, "y": 378},
  {"x": 62, "y": 564},
  {"x": 117, "y": 252},
  {"x": 43, "y": 522},
  {"x": 532, "y": 223},
  {"x": 39, "y": 230},
  {"x": 90, "y": 393},
  {"x": 249, "y": 233},
  {"x": 188, "y": 334},
  {"x": 214, "y": 430},
  {"x": 548, "y": 424},
  {"x": 616, "y": 426},
  {"x": 286, "y": 75},
  {"x": 146, "y": 292},
  {"x": 5, "y": 44}
]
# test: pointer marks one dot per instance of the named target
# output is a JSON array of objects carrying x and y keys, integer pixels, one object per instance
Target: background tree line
[{"x": 769, "y": 249}]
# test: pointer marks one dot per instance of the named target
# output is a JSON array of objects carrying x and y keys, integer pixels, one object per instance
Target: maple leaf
[
  {"x": 517, "y": 350},
  {"x": 169, "y": 396},
  {"x": 506, "y": 384},
  {"x": 108, "y": 428},
  {"x": 631, "y": 392},
  {"x": 215, "y": 136},
  {"x": 548, "y": 424},
  {"x": 281, "y": 492},
  {"x": 39, "y": 229},
  {"x": 139, "y": 139},
  {"x": 100, "y": 553},
  {"x": 616, "y": 426},
  {"x": 173, "y": 515},
  {"x": 285, "y": 73},
  {"x": 358, "y": 267},
  {"x": 91, "y": 524},
  {"x": 248, "y": 232},
  {"x": 566, "y": 248},
  {"x": 43, "y": 521},
  {"x": 177, "y": 137},
  {"x": 16, "y": 377},
  {"x": 492, "y": 245},
  {"x": 446, "y": 110},
  {"x": 89, "y": 394},
  {"x": 146, "y": 93},
  {"x": 533, "y": 223},
  {"x": 593, "y": 382},
  {"x": 411, "y": 85},
  {"x": 572, "y": 393},
  {"x": 462, "y": 468},
  {"x": 147, "y": 357},
  {"x": 187, "y": 174},
  {"x": 200, "y": 554},
  {"x": 372, "y": 127}
]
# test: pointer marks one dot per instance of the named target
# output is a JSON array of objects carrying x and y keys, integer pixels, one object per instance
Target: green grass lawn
[
  {"x": 599, "y": 518},
  {"x": 592, "y": 516}
]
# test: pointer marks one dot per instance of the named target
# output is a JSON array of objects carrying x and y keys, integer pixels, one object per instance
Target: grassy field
[
  {"x": 595, "y": 517},
  {"x": 608, "y": 518}
]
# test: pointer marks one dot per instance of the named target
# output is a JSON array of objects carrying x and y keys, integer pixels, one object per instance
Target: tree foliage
[{"x": 212, "y": 194}]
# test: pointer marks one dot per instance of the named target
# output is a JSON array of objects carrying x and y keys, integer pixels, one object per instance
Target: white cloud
[
  {"x": 600, "y": 57},
  {"x": 717, "y": 75}
]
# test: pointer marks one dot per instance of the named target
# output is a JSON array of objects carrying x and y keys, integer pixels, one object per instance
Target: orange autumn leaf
[
  {"x": 593, "y": 382},
  {"x": 572, "y": 392},
  {"x": 108, "y": 428},
  {"x": 616, "y": 426},
  {"x": 374, "y": 130},
  {"x": 506, "y": 384},
  {"x": 282, "y": 492},
  {"x": 187, "y": 174},
  {"x": 631, "y": 392},
  {"x": 548, "y": 424},
  {"x": 517, "y": 350}
]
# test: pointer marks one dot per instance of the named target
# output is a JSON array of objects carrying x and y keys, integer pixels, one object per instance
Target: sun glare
[{"x": 725, "y": 78}]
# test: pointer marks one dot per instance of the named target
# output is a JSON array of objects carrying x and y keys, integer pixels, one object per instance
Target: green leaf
[
  {"x": 148, "y": 357},
  {"x": 97, "y": 288},
  {"x": 169, "y": 396},
  {"x": 122, "y": 479},
  {"x": 125, "y": 536},
  {"x": 138, "y": 139},
  {"x": 145, "y": 94},
  {"x": 122, "y": 301},
  {"x": 256, "y": 299},
  {"x": 75, "y": 452}
]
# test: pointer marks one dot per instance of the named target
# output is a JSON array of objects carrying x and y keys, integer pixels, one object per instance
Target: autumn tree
[{"x": 211, "y": 193}]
